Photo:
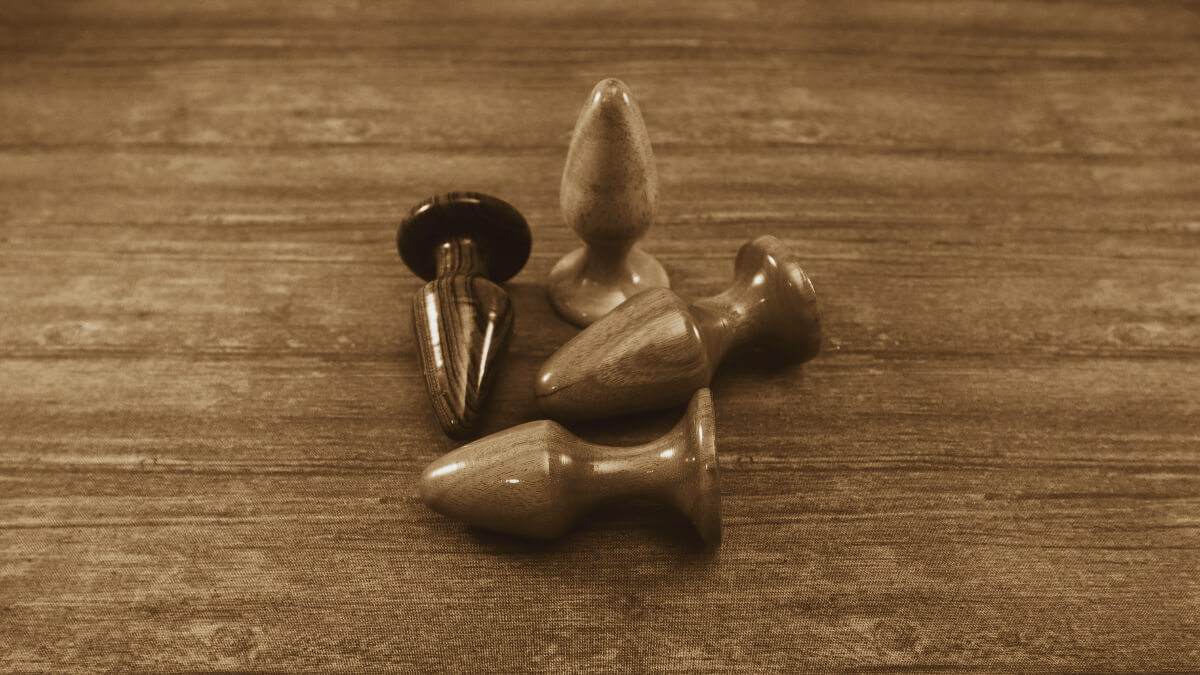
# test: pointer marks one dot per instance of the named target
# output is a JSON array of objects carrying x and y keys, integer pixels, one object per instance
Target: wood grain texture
[
  {"x": 212, "y": 425},
  {"x": 461, "y": 325}
]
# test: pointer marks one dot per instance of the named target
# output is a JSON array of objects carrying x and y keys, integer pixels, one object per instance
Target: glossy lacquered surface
[
  {"x": 537, "y": 479},
  {"x": 656, "y": 349},
  {"x": 461, "y": 319},
  {"x": 608, "y": 195}
]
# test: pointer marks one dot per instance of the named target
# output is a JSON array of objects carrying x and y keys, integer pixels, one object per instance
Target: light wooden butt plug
[
  {"x": 656, "y": 349},
  {"x": 537, "y": 479},
  {"x": 463, "y": 243},
  {"x": 608, "y": 196}
]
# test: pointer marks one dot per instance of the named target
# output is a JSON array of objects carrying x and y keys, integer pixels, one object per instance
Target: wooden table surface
[{"x": 212, "y": 418}]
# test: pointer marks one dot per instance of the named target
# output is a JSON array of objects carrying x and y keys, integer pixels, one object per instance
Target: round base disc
[
  {"x": 499, "y": 231},
  {"x": 582, "y": 291},
  {"x": 705, "y": 510}
]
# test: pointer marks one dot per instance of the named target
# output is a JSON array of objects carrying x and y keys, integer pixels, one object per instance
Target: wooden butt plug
[
  {"x": 608, "y": 195},
  {"x": 656, "y": 349},
  {"x": 463, "y": 244},
  {"x": 537, "y": 479}
]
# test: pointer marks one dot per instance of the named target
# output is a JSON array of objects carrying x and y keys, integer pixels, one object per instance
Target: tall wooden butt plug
[
  {"x": 608, "y": 196},
  {"x": 463, "y": 243},
  {"x": 656, "y": 349},
  {"x": 537, "y": 479}
]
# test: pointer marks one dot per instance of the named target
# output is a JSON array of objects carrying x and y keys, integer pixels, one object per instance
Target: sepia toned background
[{"x": 211, "y": 414}]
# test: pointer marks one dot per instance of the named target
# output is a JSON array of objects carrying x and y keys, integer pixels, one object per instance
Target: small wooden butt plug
[
  {"x": 537, "y": 479},
  {"x": 656, "y": 349},
  {"x": 608, "y": 196}
]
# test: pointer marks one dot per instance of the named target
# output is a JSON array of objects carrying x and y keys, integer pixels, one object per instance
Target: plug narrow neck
[
  {"x": 460, "y": 256},
  {"x": 728, "y": 319}
]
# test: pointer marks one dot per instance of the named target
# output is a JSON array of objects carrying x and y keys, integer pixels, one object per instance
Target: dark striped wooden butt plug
[
  {"x": 463, "y": 244},
  {"x": 538, "y": 480}
]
